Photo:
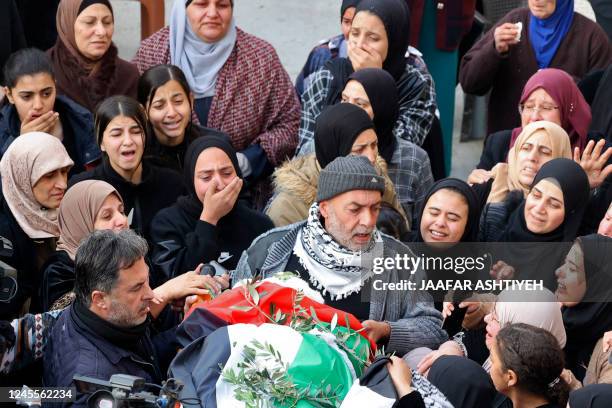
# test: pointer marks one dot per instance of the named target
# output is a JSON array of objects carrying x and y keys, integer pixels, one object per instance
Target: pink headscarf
[{"x": 575, "y": 111}]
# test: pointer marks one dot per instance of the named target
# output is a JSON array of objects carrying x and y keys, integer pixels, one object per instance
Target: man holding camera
[{"x": 107, "y": 330}]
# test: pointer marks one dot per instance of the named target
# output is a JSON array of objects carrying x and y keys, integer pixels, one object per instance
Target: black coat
[
  {"x": 495, "y": 149},
  {"x": 182, "y": 241},
  {"x": 12, "y": 37},
  {"x": 74, "y": 350},
  {"x": 158, "y": 189},
  {"x": 58, "y": 278},
  {"x": 77, "y": 124}
]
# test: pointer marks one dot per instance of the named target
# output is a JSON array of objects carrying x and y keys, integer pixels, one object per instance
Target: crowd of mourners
[{"x": 125, "y": 182}]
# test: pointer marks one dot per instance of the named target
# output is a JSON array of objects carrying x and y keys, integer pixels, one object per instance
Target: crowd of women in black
[{"x": 193, "y": 146}]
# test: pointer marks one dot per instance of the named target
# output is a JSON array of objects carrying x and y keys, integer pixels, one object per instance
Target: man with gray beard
[{"x": 334, "y": 250}]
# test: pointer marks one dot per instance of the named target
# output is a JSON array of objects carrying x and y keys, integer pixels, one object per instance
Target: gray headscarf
[{"x": 199, "y": 61}]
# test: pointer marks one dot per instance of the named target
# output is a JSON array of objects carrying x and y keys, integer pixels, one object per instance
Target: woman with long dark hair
[
  {"x": 120, "y": 125},
  {"x": 166, "y": 96},
  {"x": 33, "y": 105}
]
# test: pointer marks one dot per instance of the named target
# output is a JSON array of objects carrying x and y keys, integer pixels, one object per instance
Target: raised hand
[{"x": 593, "y": 162}]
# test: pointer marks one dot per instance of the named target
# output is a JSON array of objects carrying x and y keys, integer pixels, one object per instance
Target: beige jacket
[
  {"x": 295, "y": 189},
  {"x": 600, "y": 369}
]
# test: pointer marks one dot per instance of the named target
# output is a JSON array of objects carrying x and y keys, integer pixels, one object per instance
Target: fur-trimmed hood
[{"x": 300, "y": 177}]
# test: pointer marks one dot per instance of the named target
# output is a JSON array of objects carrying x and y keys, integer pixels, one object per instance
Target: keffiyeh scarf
[{"x": 333, "y": 268}]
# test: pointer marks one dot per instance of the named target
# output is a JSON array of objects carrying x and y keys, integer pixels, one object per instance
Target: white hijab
[{"x": 199, "y": 61}]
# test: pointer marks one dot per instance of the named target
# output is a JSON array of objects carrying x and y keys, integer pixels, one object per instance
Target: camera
[
  {"x": 123, "y": 391},
  {"x": 8, "y": 274}
]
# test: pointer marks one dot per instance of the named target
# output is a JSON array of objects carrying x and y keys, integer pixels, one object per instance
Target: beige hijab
[
  {"x": 78, "y": 212},
  {"x": 506, "y": 175},
  {"x": 536, "y": 308},
  {"x": 28, "y": 158}
]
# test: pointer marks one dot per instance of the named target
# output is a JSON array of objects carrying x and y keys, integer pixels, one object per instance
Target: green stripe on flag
[{"x": 316, "y": 359}]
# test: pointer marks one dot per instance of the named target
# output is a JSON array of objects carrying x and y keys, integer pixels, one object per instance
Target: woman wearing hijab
[
  {"x": 34, "y": 173},
  {"x": 551, "y": 212},
  {"x": 536, "y": 308},
  {"x": 408, "y": 166},
  {"x": 85, "y": 60},
  {"x": 377, "y": 39},
  {"x": 342, "y": 129},
  {"x": 34, "y": 106},
  {"x": 561, "y": 182},
  {"x": 552, "y": 95},
  {"x": 335, "y": 47},
  {"x": 120, "y": 124},
  {"x": 239, "y": 84},
  {"x": 464, "y": 382},
  {"x": 591, "y": 396},
  {"x": 449, "y": 215},
  {"x": 584, "y": 288},
  {"x": 509, "y": 54},
  {"x": 210, "y": 224},
  {"x": 88, "y": 206},
  {"x": 167, "y": 98}
]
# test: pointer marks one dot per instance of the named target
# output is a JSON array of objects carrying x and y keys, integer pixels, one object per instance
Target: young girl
[
  {"x": 34, "y": 106},
  {"x": 121, "y": 124}
]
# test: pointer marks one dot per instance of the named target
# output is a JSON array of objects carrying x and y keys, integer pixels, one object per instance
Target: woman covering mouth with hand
[
  {"x": 120, "y": 124},
  {"x": 34, "y": 106}
]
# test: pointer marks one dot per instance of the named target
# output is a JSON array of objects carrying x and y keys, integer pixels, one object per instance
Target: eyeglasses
[{"x": 530, "y": 109}]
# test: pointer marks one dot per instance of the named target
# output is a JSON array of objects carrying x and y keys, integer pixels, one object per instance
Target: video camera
[
  {"x": 123, "y": 391},
  {"x": 8, "y": 274}
]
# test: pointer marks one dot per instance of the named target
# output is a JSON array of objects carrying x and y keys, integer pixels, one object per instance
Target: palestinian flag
[
  {"x": 269, "y": 364},
  {"x": 265, "y": 343}
]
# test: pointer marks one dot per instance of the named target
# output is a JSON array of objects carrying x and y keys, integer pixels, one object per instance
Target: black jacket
[
  {"x": 173, "y": 157},
  {"x": 495, "y": 149},
  {"x": 24, "y": 257},
  {"x": 158, "y": 189},
  {"x": 182, "y": 241},
  {"x": 58, "y": 278},
  {"x": 77, "y": 124},
  {"x": 12, "y": 36},
  {"x": 21, "y": 257},
  {"x": 74, "y": 348}
]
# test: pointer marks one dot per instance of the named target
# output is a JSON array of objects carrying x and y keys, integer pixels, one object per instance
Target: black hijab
[
  {"x": 586, "y": 322},
  {"x": 191, "y": 203},
  {"x": 463, "y": 381},
  {"x": 574, "y": 184},
  {"x": 471, "y": 227},
  {"x": 591, "y": 396},
  {"x": 336, "y": 130},
  {"x": 539, "y": 261},
  {"x": 384, "y": 98},
  {"x": 346, "y": 4},
  {"x": 396, "y": 18}
]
